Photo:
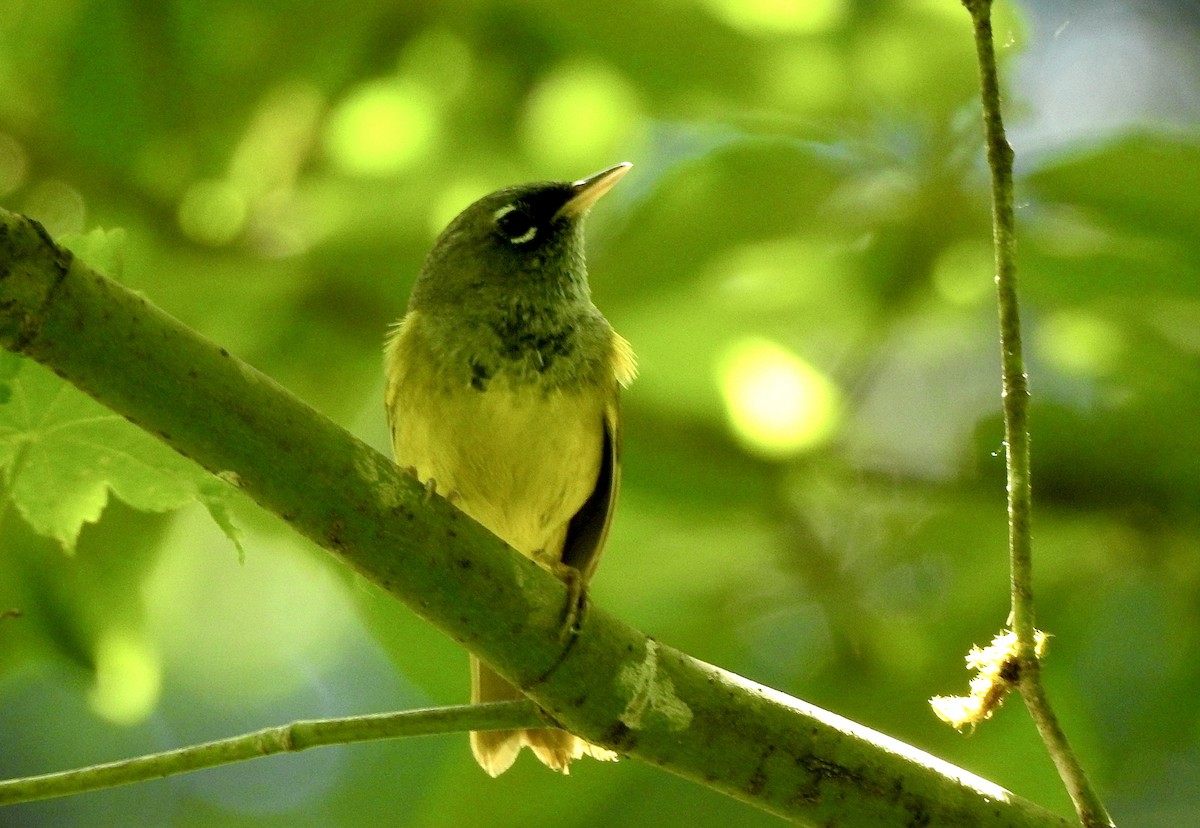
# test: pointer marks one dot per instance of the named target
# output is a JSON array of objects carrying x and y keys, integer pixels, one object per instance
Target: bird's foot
[
  {"x": 431, "y": 486},
  {"x": 577, "y": 600}
]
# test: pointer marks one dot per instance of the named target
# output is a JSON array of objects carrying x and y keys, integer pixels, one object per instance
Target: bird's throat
[{"x": 534, "y": 338}]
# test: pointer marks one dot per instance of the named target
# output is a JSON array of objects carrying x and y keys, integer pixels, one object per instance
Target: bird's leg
[
  {"x": 430, "y": 484},
  {"x": 577, "y": 600}
]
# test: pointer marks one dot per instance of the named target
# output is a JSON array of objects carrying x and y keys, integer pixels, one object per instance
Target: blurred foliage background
[{"x": 814, "y": 491}]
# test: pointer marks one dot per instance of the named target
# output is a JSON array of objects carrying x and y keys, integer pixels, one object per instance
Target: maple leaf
[{"x": 62, "y": 454}]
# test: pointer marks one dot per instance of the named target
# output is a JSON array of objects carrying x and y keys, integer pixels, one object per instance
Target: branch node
[{"x": 999, "y": 668}]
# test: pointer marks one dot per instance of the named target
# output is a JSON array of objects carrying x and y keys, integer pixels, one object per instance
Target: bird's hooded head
[{"x": 523, "y": 241}]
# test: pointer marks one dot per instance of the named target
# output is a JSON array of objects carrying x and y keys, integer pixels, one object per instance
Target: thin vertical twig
[{"x": 1088, "y": 806}]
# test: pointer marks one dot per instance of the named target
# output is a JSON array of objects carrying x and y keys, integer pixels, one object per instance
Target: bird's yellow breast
[{"x": 519, "y": 459}]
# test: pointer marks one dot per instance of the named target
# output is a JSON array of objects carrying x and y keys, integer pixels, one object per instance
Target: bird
[{"x": 502, "y": 395}]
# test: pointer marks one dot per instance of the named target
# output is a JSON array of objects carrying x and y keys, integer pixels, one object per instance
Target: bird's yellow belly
[{"x": 521, "y": 463}]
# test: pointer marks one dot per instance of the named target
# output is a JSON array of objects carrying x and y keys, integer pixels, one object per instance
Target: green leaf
[
  {"x": 102, "y": 249},
  {"x": 1141, "y": 183},
  {"x": 62, "y": 454},
  {"x": 214, "y": 494}
]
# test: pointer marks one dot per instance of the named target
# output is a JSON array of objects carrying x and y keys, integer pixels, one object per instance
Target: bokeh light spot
[
  {"x": 809, "y": 77},
  {"x": 889, "y": 63},
  {"x": 382, "y": 128},
  {"x": 212, "y": 212},
  {"x": 241, "y": 634},
  {"x": 779, "y": 16},
  {"x": 276, "y": 141},
  {"x": 1078, "y": 342},
  {"x": 778, "y": 405},
  {"x": 581, "y": 115},
  {"x": 128, "y": 678},
  {"x": 14, "y": 165},
  {"x": 964, "y": 273},
  {"x": 936, "y": 8},
  {"x": 767, "y": 276},
  {"x": 57, "y": 205}
]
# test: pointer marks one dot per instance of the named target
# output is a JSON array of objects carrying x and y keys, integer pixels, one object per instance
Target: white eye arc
[{"x": 508, "y": 228}]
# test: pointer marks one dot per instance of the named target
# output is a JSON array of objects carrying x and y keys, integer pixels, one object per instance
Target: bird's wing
[{"x": 588, "y": 529}]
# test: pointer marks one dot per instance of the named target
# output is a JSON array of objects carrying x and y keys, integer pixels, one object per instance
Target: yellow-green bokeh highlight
[
  {"x": 1081, "y": 343},
  {"x": 781, "y": 275},
  {"x": 59, "y": 206},
  {"x": 778, "y": 405},
  {"x": 808, "y": 76},
  {"x": 276, "y": 141},
  {"x": 964, "y": 273},
  {"x": 213, "y": 212},
  {"x": 127, "y": 681},
  {"x": 243, "y": 632},
  {"x": 779, "y": 17},
  {"x": 14, "y": 164},
  {"x": 581, "y": 116},
  {"x": 382, "y": 128}
]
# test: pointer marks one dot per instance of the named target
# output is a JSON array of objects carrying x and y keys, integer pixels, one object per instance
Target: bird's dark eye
[{"x": 516, "y": 225}]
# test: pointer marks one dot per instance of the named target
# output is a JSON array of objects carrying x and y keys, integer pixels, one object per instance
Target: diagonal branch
[{"x": 610, "y": 683}]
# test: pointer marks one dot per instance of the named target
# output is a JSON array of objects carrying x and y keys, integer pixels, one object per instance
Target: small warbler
[{"x": 503, "y": 382}]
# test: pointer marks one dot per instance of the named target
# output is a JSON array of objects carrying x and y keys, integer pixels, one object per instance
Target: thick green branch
[
  {"x": 289, "y": 738},
  {"x": 609, "y": 683},
  {"x": 1016, "y": 429}
]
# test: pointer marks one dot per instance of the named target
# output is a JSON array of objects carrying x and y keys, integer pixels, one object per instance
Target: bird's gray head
[{"x": 522, "y": 243}]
